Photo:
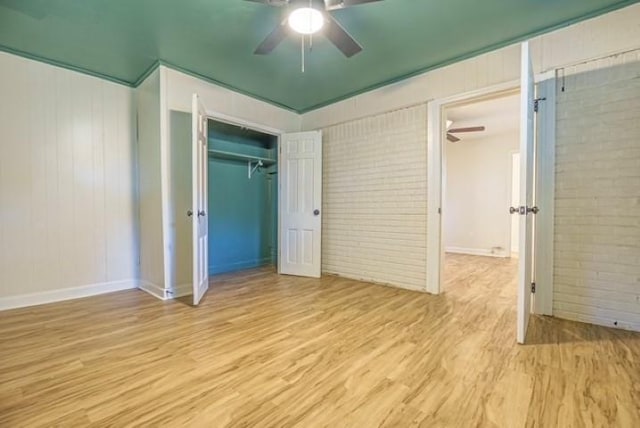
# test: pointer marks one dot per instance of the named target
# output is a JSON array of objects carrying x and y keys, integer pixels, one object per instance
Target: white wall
[
  {"x": 597, "y": 197},
  {"x": 180, "y": 225},
  {"x": 225, "y": 103},
  {"x": 67, "y": 184},
  {"x": 478, "y": 194},
  {"x": 150, "y": 189},
  {"x": 614, "y": 32},
  {"x": 374, "y": 198}
]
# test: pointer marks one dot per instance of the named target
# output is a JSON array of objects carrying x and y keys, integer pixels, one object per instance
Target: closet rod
[{"x": 219, "y": 154}]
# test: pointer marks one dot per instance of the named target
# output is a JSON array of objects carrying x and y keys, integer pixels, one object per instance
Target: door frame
[
  {"x": 231, "y": 120},
  {"x": 435, "y": 180}
]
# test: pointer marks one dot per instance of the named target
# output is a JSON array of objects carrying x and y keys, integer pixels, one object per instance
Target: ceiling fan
[
  {"x": 451, "y": 131},
  {"x": 308, "y": 17}
]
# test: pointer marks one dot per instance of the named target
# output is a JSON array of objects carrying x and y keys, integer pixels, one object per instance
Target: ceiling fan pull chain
[{"x": 302, "y": 51}]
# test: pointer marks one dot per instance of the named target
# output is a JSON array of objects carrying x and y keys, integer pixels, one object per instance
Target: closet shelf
[{"x": 219, "y": 154}]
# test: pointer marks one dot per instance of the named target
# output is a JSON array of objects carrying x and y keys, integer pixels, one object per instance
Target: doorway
[
  {"x": 242, "y": 189},
  {"x": 479, "y": 184},
  {"x": 483, "y": 137},
  {"x": 537, "y": 136}
]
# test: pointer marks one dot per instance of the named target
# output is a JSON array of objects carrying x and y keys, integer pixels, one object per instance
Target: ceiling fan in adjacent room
[
  {"x": 451, "y": 131},
  {"x": 308, "y": 17}
]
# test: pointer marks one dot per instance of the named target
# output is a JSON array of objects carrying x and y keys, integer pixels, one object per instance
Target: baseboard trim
[
  {"x": 374, "y": 282},
  {"x": 42, "y": 298},
  {"x": 231, "y": 267},
  {"x": 475, "y": 252},
  {"x": 589, "y": 319},
  {"x": 155, "y": 290}
]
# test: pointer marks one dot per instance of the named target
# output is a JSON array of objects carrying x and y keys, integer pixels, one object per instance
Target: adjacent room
[
  {"x": 481, "y": 157},
  {"x": 310, "y": 213}
]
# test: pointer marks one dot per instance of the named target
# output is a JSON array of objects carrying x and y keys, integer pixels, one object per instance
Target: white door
[
  {"x": 199, "y": 200},
  {"x": 515, "y": 201},
  {"x": 526, "y": 209},
  {"x": 300, "y": 203}
]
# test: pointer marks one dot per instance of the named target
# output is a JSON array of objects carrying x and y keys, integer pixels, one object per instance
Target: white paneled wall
[
  {"x": 150, "y": 185},
  {"x": 225, "y": 103},
  {"x": 375, "y": 198},
  {"x": 67, "y": 184},
  {"x": 597, "y": 200}
]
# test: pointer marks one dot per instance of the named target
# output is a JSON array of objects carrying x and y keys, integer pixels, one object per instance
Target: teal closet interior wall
[{"x": 242, "y": 211}]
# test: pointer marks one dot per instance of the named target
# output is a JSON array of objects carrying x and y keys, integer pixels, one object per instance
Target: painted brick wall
[
  {"x": 375, "y": 198},
  {"x": 597, "y": 222}
]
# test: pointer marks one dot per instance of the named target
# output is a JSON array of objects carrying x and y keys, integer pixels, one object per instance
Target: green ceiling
[{"x": 215, "y": 39}]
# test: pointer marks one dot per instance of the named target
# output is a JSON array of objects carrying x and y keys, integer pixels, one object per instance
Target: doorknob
[
  {"x": 514, "y": 210},
  {"x": 316, "y": 212},
  {"x": 189, "y": 213},
  {"x": 201, "y": 213}
]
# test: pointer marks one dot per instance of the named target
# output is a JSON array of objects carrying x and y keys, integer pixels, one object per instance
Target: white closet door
[
  {"x": 300, "y": 203},
  {"x": 526, "y": 211},
  {"x": 199, "y": 201}
]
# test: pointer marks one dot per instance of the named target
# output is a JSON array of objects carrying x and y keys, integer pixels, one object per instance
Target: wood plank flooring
[{"x": 274, "y": 351}]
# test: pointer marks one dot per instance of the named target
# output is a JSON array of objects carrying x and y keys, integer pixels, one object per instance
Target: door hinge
[
  {"x": 533, "y": 288},
  {"x": 522, "y": 210},
  {"x": 536, "y": 103},
  {"x": 439, "y": 210}
]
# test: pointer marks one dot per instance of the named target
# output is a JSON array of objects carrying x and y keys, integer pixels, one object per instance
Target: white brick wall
[
  {"x": 597, "y": 212},
  {"x": 375, "y": 198}
]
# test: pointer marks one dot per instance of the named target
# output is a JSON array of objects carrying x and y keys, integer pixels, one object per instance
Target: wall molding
[
  {"x": 476, "y": 252},
  {"x": 245, "y": 264},
  {"x": 154, "y": 289},
  {"x": 596, "y": 320},
  {"x": 42, "y": 298},
  {"x": 374, "y": 282}
]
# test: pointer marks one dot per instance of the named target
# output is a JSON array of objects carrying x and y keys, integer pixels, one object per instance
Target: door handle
[
  {"x": 189, "y": 213},
  {"x": 316, "y": 212},
  {"x": 201, "y": 213}
]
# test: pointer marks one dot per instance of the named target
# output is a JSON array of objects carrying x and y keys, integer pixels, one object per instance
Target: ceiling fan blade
[
  {"x": 340, "y": 38},
  {"x": 469, "y": 129},
  {"x": 452, "y": 138},
  {"x": 272, "y": 40},
  {"x": 341, "y": 4}
]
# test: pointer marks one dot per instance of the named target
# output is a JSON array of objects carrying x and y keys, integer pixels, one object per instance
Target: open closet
[
  {"x": 218, "y": 194},
  {"x": 242, "y": 198}
]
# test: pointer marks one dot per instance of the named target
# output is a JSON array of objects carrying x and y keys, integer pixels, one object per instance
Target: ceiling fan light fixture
[{"x": 306, "y": 20}]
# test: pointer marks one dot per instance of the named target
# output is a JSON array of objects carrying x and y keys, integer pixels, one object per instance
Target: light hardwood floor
[{"x": 268, "y": 350}]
